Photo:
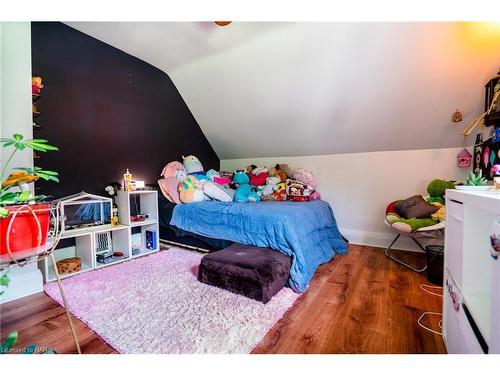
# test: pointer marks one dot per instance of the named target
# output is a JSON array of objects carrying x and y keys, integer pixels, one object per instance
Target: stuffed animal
[
  {"x": 437, "y": 189},
  {"x": 192, "y": 164},
  {"x": 405, "y": 225},
  {"x": 170, "y": 188},
  {"x": 245, "y": 192},
  {"x": 305, "y": 176},
  {"x": 212, "y": 174},
  {"x": 217, "y": 192},
  {"x": 279, "y": 195},
  {"x": 270, "y": 187},
  {"x": 191, "y": 190},
  {"x": 258, "y": 176},
  {"x": 36, "y": 85},
  {"x": 250, "y": 168},
  {"x": 172, "y": 169},
  {"x": 298, "y": 191},
  {"x": 440, "y": 214}
]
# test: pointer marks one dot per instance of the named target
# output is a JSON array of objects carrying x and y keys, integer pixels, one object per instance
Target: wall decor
[{"x": 464, "y": 159}]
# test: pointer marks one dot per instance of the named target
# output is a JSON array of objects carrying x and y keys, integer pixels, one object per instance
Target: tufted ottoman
[{"x": 254, "y": 272}]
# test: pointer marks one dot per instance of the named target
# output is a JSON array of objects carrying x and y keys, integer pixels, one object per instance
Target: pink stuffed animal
[
  {"x": 172, "y": 170},
  {"x": 305, "y": 176}
]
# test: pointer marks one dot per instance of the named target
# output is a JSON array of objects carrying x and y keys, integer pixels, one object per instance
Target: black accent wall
[{"x": 107, "y": 111}]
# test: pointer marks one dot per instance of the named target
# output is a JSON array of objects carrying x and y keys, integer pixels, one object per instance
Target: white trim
[{"x": 379, "y": 239}]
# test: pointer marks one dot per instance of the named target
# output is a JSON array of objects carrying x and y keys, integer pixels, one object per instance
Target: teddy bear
[
  {"x": 258, "y": 176},
  {"x": 270, "y": 187},
  {"x": 244, "y": 192}
]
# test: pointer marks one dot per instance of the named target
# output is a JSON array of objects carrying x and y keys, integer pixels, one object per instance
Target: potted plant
[{"x": 25, "y": 213}]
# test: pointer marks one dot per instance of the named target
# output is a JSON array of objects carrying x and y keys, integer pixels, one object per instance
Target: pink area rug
[{"x": 155, "y": 304}]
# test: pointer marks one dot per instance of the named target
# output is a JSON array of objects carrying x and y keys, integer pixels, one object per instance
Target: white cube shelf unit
[
  {"x": 129, "y": 237},
  {"x": 144, "y": 202}
]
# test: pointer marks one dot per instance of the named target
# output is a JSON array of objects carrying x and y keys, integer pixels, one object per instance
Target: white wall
[
  {"x": 16, "y": 117},
  {"x": 15, "y": 87},
  {"x": 359, "y": 186}
]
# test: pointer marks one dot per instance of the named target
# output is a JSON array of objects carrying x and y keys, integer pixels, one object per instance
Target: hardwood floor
[{"x": 358, "y": 303}]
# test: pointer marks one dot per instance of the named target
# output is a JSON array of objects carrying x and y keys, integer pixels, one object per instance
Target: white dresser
[{"x": 471, "y": 303}]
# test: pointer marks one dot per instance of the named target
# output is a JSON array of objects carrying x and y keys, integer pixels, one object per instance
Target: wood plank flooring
[{"x": 358, "y": 303}]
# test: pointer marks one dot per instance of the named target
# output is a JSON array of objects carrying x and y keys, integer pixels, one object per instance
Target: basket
[{"x": 69, "y": 265}]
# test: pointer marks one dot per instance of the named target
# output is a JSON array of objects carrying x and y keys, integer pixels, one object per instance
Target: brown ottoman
[{"x": 254, "y": 272}]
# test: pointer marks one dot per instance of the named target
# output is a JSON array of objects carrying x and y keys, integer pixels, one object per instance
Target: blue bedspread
[{"x": 306, "y": 231}]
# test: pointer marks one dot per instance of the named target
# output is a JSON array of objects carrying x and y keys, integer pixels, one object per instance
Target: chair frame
[{"x": 433, "y": 233}]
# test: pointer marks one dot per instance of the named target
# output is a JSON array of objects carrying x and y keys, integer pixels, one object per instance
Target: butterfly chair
[{"x": 429, "y": 232}]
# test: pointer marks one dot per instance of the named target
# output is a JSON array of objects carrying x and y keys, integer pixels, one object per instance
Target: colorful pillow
[{"x": 415, "y": 208}]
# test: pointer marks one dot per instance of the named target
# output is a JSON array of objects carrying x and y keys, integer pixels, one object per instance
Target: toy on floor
[
  {"x": 270, "y": 187},
  {"x": 437, "y": 189},
  {"x": 244, "y": 192},
  {"x": 258, "y": 176},
  {"x": 192, "y": 164},
  {"x": 191, "y": 190}
]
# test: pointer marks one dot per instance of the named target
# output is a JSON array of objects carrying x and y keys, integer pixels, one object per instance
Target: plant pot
[{"x": 24, "y": 231}]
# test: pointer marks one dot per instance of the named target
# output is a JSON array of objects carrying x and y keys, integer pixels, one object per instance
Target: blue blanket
[{"x": 306, "y": 231}]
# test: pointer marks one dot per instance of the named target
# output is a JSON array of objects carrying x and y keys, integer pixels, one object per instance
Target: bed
[{"x": 306, "y": 231}]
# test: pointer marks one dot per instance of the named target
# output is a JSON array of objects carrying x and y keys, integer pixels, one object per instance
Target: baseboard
[{"x": 379, "y": 239}]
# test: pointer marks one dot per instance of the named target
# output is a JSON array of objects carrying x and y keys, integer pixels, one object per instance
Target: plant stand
[
  {"x": 39, "y": 253},
  {"x": 63, "y": 299}
]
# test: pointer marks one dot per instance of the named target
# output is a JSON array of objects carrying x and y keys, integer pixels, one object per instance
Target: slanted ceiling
[{"x": 294, "y": 89}]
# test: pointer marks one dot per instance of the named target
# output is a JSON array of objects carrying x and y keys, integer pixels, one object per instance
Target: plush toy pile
[
  {"x": 187, "y": 182},
  {"x": 414, "y": 213}
]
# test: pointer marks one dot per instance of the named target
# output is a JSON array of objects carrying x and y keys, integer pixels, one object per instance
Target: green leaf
[
  {"x": 24, "y": 196},
  {"x": 18, "y": 137},
  {"x": 19, "y": 146},
  {"x": 9, "y": 198},
  {"x": 4, "y": 279},
  {"x": 40, "y": 197},
  {"x": 9, "y": 342}
]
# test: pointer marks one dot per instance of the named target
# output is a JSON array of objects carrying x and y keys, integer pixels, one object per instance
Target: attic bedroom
[{"x": 235, "y": 187}]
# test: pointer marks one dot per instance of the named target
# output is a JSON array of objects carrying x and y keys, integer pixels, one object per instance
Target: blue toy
[{"x": 245, "y": 192}]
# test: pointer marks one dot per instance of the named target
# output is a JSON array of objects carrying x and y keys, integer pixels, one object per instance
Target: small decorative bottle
[
  {"x": 127, "y": 181},
  {"x": 114, "y": 216}
]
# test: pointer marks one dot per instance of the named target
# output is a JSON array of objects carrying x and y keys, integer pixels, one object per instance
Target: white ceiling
[{"x": 293, "y": 89}]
